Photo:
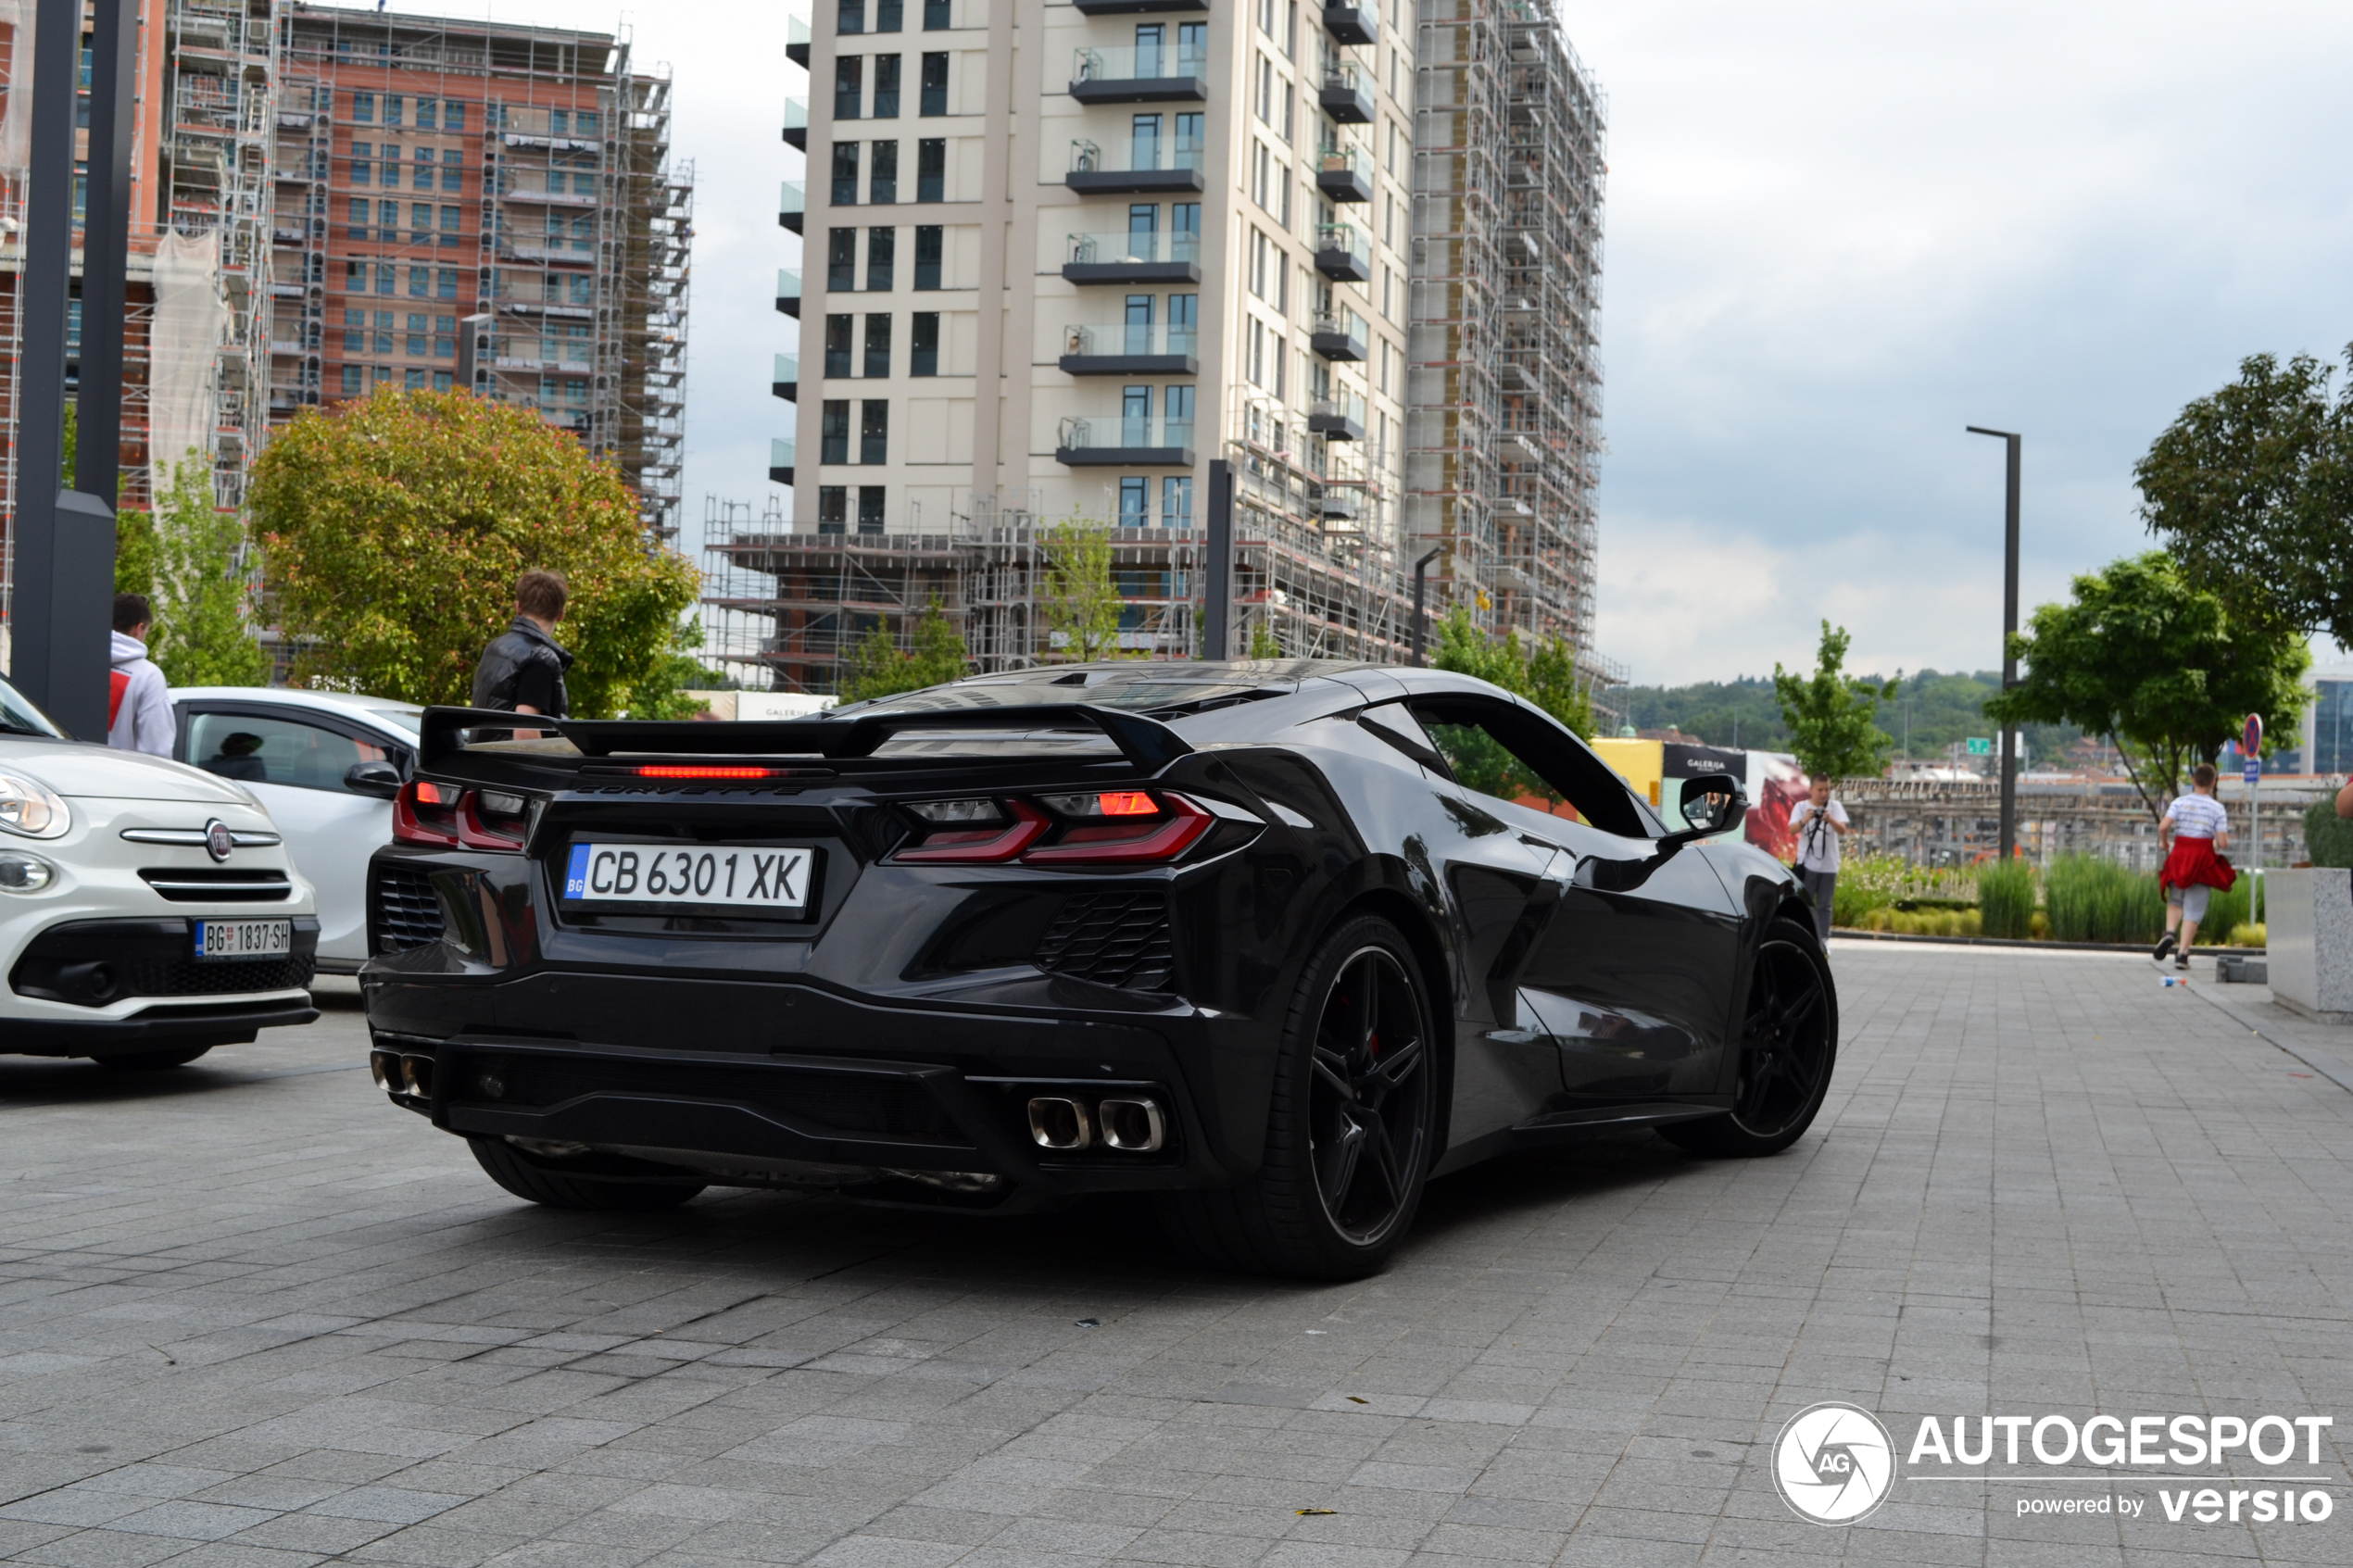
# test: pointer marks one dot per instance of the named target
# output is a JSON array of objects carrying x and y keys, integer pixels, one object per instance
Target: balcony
[
  {"x": 1135, "y": 8},
  {"x": 1343, "y": 252},
  {"x": 1345, "y": 175},
  {"x": 792, "y": 205},
  {"x": 780, "y": 460},
  {"x": 1334, "y": 503},
  {"x": 1347, "y": 96},
  {"x": 797, "y": 41},
  {"x": 1159, "y": 350},
  {"x": 788, "y": 290},
  {"x": 1338, "y": 417},
  {"x": 1146, "y": 74},
  {"x": 787, "y": 380},
  {"x": 1157, "y": 257},
  {"x": 796, "y": 123},
  {"x": 1352, "y": 23},
  {"x": 1113, "y": 442},
  {"x": 1151, "y": 168},
  {"x": 1339, "y": 335}
]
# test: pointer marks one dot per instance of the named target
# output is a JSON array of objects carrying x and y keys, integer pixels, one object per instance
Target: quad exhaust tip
[
  {"x": 399, "y": 1074},
  {"x": 1128, "y": 1123}
]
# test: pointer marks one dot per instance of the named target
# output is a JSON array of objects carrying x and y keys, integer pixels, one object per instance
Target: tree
[
  {"x": 2155, "y": 666},
  {"x": 2253, "y": 488},
  {"x": 1545, "y": 673},
  {"x": 662, "y": 694},
  {"x": 202, "y": 583},
  {"x": 394, "y": 528},
  {"x": 1263, "y": 644},
  {"x": 1082, "y": 602},
  {"x": 1830, "y": 714},
  {"x": 878, "y": 668}
]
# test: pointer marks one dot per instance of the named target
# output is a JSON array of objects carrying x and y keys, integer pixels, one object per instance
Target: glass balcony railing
[
  {"x": 796, "y": 38},
  {"x": 1144, "y": 63},
  {"x": 787, "y": 372},
  {"x": 797, "y": 121},
  {"x": 1114, "y": 432},
  {"x": 1343, "y": 249},
  {"x": 1154, "y": 338},
  {"x": 1337, "y": 164},
  {"x": 1339, "y": 334},
  {"x": 1141, "y": 154},
  {"x": 788, "y": 290},
  {"x": 792, "y": 203},
  {"x": 780, "y": 463},
  {"x": 1133, "y": 250},
  {"x": 1336, "y": 414}
]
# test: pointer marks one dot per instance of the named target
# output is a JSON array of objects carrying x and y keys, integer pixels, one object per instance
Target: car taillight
[
  {"x": 441, "y": 816},
  {"x": 975, "y": 833},
  {"x": 426, "y": 813},
  {"x": 1099, "y": 827}
]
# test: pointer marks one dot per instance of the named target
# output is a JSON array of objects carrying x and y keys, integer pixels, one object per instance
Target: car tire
[
  {"x": 1788, "y": 1048},
  {"x": 151, "y": 1061},
  {"x": 1350, "y": 1127},
  {"x": 525, "y": 1180}
]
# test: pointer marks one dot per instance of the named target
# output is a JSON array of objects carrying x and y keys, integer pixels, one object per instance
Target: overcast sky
[{"x": 1837, "y": 233}]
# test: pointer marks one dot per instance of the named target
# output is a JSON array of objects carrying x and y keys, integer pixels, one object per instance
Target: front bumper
[{"x": 787, "y": 1085}]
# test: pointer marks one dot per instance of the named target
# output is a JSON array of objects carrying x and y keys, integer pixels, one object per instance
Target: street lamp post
[
  {"x": 2010, "y": 630},
  {"x": 1421, "y": 570}
]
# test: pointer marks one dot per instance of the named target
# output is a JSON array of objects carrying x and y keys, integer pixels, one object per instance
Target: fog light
[
  {"x": 491, "y": 1085},
  {"x": 20, "y": 873},
  {"x": 1055, "y": 1123},
  {"x": 1132, "y": 1126},
  {"x": 416, "y": 1074}
]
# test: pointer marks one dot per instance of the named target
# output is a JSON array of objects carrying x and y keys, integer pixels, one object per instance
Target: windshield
[{"x": 19, "y": 717}]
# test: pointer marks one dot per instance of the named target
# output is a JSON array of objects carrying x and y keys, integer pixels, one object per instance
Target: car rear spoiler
[{"x": 1147, "y": 743}]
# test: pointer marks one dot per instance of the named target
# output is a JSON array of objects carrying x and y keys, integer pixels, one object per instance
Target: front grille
[
  {"x": 405, "y": 914},
  {"x": 1113, "y": 939},
  {"x": 845, "y": 1102},
  {"x": 186, "y": 977},
  {"x": 210, "y": 887}
]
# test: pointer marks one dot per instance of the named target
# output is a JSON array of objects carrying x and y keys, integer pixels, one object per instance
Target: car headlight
[
  {"x": 31, "y": 808},
  {"x": 21, "y": 872}
]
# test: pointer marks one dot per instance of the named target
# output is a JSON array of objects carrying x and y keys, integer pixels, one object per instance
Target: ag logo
[{"x": 1834, "y": 1463}]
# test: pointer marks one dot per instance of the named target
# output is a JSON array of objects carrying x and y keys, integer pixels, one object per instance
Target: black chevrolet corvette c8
[{"x": 1275, "y": 943}]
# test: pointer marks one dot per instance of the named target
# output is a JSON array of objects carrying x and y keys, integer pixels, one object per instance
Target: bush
[
  {"x": 2005, "y": 895},
  {"x": 1878, "y": 881},
  {"x": 2328, "y": 837},
  {"x": 1924, "y": 922},
  {"x": 2248, "y": 936},
  {"x": 2094, "y": 900},
  {"x": 2225, "y": 910}
]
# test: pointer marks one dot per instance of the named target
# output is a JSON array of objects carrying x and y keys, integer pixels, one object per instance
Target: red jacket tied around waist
[{"x": 2194, "y": 863}]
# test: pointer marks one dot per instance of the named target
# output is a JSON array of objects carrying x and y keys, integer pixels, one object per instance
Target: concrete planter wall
[{"x": 2309, "y": 929}]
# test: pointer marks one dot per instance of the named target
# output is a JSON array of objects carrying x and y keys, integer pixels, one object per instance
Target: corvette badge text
[{"x": 1836, "y": 1463}]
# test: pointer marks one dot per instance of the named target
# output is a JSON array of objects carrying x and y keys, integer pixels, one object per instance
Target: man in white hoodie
[{"x": 139, "y": 703}]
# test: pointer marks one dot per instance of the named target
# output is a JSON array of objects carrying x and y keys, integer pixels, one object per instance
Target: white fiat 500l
[{"x": 149, "y": 911}]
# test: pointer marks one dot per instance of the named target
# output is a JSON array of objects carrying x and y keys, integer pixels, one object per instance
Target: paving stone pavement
[{"x": 254, "y": 1315}]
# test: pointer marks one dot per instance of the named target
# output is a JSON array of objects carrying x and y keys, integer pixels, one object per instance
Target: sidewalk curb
[
  {"x": 2329, "y": 1067},
  {"x": 1856, "y": 933}
]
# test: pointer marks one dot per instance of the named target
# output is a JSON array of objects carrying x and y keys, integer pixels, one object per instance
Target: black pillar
[
  {"x": 2010, "y": 630},
  {"x": 114, "y": 59},
  {"x": 59, "y": 600},
  {"x": 1421, "y": 577},
  {"x": 1217, "y": 591}
]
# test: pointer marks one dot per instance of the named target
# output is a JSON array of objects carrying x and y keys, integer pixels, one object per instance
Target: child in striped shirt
[{"x": 2194, "y": 827}]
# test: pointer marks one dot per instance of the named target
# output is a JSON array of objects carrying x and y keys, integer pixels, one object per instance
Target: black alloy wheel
[
  {"x": 1351, "y": 1125},
  {"x": 1367, "y": 1105},
  {"x": 1788, "y": 1047}
]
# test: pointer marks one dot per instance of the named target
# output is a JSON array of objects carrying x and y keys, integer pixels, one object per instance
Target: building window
[
  {"x": 412, "y": 381},
  {"x": 886, "y": 85},
  {"x": 1176, "y": 501},
  {"x": 353, "y": 376},
  {"x": 420, "y": 222},
  {"x": 453, "y": 174},
  {"x": 444, "y": 340},
  {"x": 833, "y": 509},
  {"x": 442, "y": 381},
  {"x": 419, "y": 281},
  {"x": 931, "y": 169},
  {"x": 890, "y": 15},
  {"x": 936, "y": 18},
  {"x": 1266, "y": 91},
  {"x": 423, "y": 178},
  {"x": 358, "y": 217},
  {"x": 930, "y": 240},
  {"x": 935, "y": 86},
  {"x": 420, "y": 329},
  {"x": 428, "y": 113},
  {"x": 870, "y": 509},
  {"x": 877, "y": 345},
  {"x": 1259, "y": 251},
  {"x": 1134, "y": 501},
  {"x": 874, "y": 431},
  {"x": 363, "y": 108},
  {"x": 851, "y": 16},
  {"x": 1184, "y": 322},
  {"x": 355, "y": 334},
  {"x": 841, "y": 260},
  {"x": 845, "y": 174},
  {"x": 1261, "y": 170},
  {"x": 1136, "y": 416},
  {"x": 385, "y": 319},
  {"x": 383, "y": 277},
  {"x": 448, "y": 283},
  {"x": 448, "y": 225},
  {"x": 924, "y": 346},
  {"x": 362, "y": 161},
  {"x": 837, "y": 332},
  {"x": 393, "y": 103},
  {"x": 1257, "y": 353},
  {"x": 849, "y": 86},
  {"x": 882, "y": 260},
  {"x": 884, "y": 192},
  {"x": 834, "y": 431}
]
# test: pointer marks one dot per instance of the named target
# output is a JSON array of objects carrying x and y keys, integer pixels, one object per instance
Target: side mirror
[
  {"x": 1713, "y": 803},
  {"x": 379, "y": 779}
]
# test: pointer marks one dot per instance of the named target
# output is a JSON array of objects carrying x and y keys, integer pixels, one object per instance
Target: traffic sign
[
  {"x": 2253, "y": 742},
  {"x": 1981, "y": 746},
  {"x": 2254, "y": 770}
]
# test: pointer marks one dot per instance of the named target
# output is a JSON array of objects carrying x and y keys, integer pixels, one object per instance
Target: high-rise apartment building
[{"x": 1060, "y": 258}]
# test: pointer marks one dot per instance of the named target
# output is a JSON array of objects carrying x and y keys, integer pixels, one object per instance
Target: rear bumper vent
[
  {"x": 1113, "y": 939},
  {"x": 403, "y": 912},
  {"x": 209, "y": 886}
]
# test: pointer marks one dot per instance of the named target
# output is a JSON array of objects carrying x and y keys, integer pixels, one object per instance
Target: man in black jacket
[{"x": 522, "y": 670}]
